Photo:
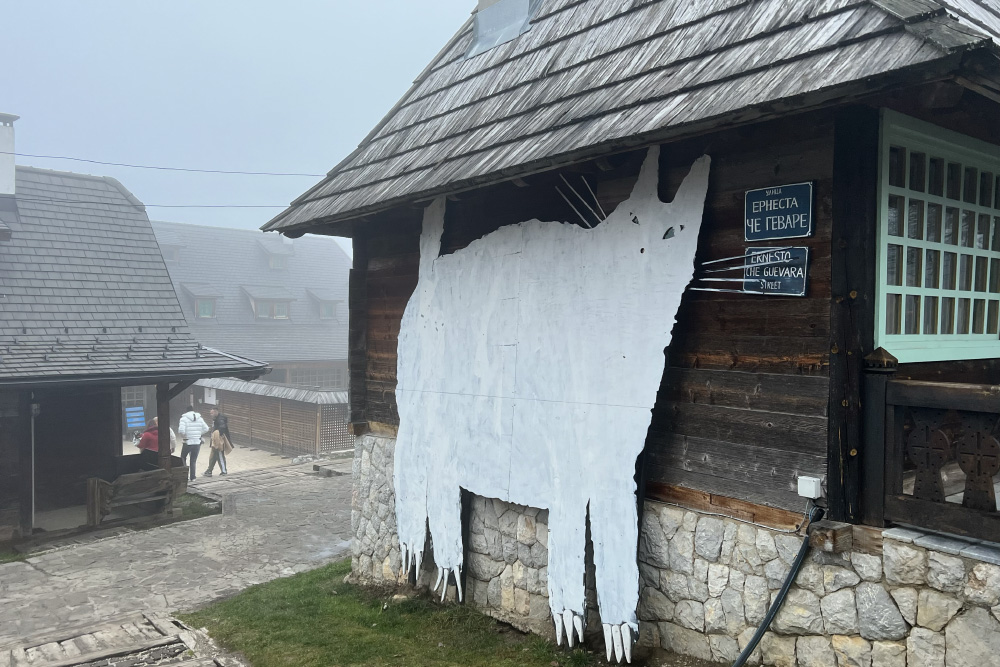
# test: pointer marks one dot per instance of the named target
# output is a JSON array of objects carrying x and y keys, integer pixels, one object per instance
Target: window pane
[
  {"x": 913, "y": 256},
  {"x": 967, "y": 230},
  {"x": 986, "y": 189},
  {"x": 981, "y": 273},
  {"x": 962, "y": 317},
  {"x": 934, "y": 222},
  {"x": 912, "y": 314},
  {"x": 995, "y": 275},
  {"x": 915, "y": 219},
  {"x": 894, "y": 265},
  {"x": 892, "y": 313},
  {"x": 971, "y": 182},
  {"x": 983, "y": 232},
  {"x": 935, "y": 183},
  {"x": 978, "y": 315},
  {"x": 932, "y": 269},
  {"x": 951, "y": 226},
  {"x": 996, "y": 193},
  {"x": 897, "y": 173},
  {"x": 918, "y": 162},
  {"x": 965, "y": 272},
  {"x": 996, "y": 234},
  {"x": 948, "y": 270},
  {"x": 954, "y": 181},
  {"x": 947, "y": 315},
  {"x": 895, "y": 216},
  {"x": 930, "y": 314},
  {"x": 991, "y": 317},
  {"x": 281, "y": 310}
]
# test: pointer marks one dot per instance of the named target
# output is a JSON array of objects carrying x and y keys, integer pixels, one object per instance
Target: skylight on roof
[{"x": 499, "y": 21}]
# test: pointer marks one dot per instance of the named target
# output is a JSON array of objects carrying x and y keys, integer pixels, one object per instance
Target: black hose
[{"x": 815, "y": 515}]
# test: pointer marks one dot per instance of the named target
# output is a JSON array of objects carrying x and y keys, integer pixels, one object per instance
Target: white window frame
[{"x": 900, "y": 130}]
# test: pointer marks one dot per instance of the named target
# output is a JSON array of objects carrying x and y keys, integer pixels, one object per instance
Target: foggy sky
[{"x": 245, "y": 85}]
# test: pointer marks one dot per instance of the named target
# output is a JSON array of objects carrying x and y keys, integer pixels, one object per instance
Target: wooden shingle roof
[
  {"x": 85, "y": 295},
  {"x": 597, "y": 75}
]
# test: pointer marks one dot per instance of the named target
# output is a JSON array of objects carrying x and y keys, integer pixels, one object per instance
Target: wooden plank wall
[{"x": 742, "y": 409}]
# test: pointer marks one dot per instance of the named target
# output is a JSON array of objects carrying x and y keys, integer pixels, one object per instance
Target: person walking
[
  {"x": 221, "y": 442},
  {"x": 191, "y": 428},
  {"x": 149, "y": 444}
]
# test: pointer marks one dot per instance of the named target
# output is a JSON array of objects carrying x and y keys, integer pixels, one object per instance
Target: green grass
[
  {"x": 10, "y": 556},
  {"x": 195, "y": 507},
  {"x": 314, "y": 619}
]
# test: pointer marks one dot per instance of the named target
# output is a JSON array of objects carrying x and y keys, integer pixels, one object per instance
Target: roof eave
[
  {"x": 342, "y": 224},
  {"x": 126, "y": 379}
]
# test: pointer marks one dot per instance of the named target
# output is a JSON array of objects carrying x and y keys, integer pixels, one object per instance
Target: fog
[{"x": 248, "y": 86}]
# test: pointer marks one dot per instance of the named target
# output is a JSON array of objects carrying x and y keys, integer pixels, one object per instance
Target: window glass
[
  {"x": 205, "y": 307},
  {"x": 327, "y": 310},
  {"x": 939, "y": 262}
]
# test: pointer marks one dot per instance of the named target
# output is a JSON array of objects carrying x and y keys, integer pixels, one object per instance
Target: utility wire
[
  {"x": 146, "y": 166},
  {"x": 37, "y": 200}
]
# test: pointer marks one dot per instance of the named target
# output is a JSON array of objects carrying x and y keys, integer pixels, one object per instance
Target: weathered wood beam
[
  {"x": 357, "y": 333},
  {"x": 852, "y": 307},
  {"x": 27, "y": 472},
  {"x": 163, "y": 418},
  {"x": 879, "y": 369},
  {"x": 178, "y": 388}
]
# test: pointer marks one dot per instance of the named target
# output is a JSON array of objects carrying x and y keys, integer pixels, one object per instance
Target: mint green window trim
[{"x": 938, "y": 256}]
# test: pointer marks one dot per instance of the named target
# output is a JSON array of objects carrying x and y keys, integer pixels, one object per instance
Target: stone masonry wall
[{"x": 706, "y": 582}]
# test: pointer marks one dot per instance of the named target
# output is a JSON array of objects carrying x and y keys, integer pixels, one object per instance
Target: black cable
[
  {"x": 146, "y": 166},
  {"x": 815, "y": 515}
]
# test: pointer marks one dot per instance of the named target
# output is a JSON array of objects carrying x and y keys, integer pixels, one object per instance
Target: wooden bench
[{"x": 151, "y": 486}]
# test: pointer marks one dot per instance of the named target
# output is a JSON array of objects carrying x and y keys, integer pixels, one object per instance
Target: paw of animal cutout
[
  {"x": 618, "y": 639},
  {"x": 442, "y": 581},
  {"x": 410, "y": 558},
  {"x": 572, "y": 622}
]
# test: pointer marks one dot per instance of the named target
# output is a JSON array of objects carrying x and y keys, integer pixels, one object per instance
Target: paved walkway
[
  {"x": 241, "y": 459},
  {"x": 276, "y": 522}
]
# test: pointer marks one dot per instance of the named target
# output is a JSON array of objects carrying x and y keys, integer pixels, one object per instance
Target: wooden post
[
  {"x": 163, "y": 418},
  {"x": 357, "y": 332},
  {"x": 319, "y": 426},
  {"x": 879, "y": 368},
  {"x": 24, "y": 448},
  {"x": 852, "y": 307}
]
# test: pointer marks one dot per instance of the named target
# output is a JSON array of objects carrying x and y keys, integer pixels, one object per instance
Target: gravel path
[{"x": 276, "y": 522}]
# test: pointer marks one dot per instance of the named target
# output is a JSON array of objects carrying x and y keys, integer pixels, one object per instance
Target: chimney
[{"x": 7, "y": 153}]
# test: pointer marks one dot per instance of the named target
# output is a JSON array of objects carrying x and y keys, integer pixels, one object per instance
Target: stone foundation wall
[{"x": 706, "y": 582}]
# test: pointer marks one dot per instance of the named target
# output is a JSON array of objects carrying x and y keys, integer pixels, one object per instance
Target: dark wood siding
[{"x": 743, "y": 405}]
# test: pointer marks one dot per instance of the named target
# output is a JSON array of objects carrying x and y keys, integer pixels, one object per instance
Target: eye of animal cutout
[
  {"x": 634, "y": 218},
  {"x": 669, "y": 234}
]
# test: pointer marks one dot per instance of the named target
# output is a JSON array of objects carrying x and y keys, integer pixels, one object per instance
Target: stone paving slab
[{"x": 281, "y": 521}]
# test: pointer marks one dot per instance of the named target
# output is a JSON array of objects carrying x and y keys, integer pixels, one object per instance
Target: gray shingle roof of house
[
  {"x": 85, "y": 293},
  {"x": 593, "y": 76},
  {"x": 275, "y": 390},
  {"x": 233, "y": 264}
]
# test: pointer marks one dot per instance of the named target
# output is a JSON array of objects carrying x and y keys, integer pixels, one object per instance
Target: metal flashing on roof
[{"x": 500, "y": 22}]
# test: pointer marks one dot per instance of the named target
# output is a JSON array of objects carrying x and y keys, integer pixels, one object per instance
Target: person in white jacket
[{"x": 190, "y": 429}]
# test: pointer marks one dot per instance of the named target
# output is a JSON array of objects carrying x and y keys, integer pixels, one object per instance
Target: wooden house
[
  {"x": 850, "y": 351},
  {"x": 86, "y": 308}
]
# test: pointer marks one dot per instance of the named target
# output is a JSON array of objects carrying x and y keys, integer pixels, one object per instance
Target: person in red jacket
[{"x": 149, "y": 443}]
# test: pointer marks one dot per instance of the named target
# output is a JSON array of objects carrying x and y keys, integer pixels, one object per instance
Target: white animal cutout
[{"x": 528, "y": 363}]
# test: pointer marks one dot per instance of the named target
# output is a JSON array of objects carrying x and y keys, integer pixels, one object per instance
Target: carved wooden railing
[{"x": 932, "y": 454}]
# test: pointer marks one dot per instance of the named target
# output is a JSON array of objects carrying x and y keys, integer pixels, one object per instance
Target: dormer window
[
  {"x": 204, "y": 308},
  {"x": 326, "y": 300},
  {"x": 277, "y": 261},
  {"x": 498, "y": 22},
  {"x": 271, "y": 310}
]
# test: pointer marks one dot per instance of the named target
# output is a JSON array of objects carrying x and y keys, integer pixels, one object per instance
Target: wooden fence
[
  {"x": 932, "y": 454},
  {"x": 285, "y": 426}
]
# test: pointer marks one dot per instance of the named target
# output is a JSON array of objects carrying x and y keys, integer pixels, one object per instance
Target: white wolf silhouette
[{"x": 528, "y": 363}]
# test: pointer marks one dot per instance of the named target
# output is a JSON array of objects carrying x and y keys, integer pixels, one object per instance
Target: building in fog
[
  {"x": 276, "y": 299},
  {"x": 87, "y": 312}
]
